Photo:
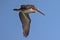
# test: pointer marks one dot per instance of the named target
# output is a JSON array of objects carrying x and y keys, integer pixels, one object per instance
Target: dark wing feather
[{"x": 25, "y": 20}]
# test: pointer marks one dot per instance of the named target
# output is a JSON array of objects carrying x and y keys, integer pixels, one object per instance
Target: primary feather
[{"x": 25, "y": 20}]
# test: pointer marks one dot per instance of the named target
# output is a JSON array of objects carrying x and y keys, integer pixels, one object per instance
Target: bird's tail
[{"x": 16, "y": 9}]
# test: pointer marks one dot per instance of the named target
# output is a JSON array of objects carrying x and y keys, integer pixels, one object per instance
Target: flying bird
[{"x": 24, "y": 12}]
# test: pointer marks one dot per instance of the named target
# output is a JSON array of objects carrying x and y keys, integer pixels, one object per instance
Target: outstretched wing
[{"x": 25, "y": 20}]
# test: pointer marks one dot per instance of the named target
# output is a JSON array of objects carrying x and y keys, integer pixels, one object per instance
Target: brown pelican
[{"x": 24, "y": 12}]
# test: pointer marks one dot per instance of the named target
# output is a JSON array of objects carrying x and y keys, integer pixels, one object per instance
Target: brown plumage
[
  {"x": 24, "y": 12},
  {"x": 25, "y": 20}
]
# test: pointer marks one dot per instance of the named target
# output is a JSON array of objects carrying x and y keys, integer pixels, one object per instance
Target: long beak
[{"x": 40, "y": 12}]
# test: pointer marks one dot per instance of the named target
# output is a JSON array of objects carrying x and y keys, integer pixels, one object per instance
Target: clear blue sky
[{"x": 42, "y": 27}]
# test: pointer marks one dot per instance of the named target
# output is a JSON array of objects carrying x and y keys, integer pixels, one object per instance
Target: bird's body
[
  {"x": 27, "y": 11},
  {"x": 24, "y": 12}
]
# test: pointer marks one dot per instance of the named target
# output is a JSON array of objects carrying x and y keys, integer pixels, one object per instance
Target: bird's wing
[{"x": 25, "y": 20}]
